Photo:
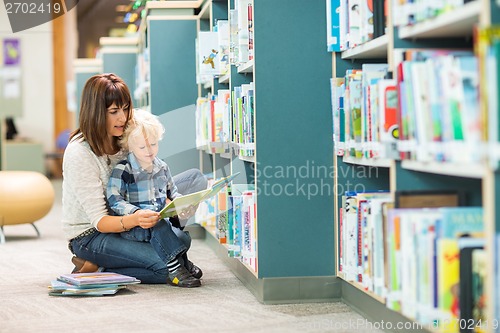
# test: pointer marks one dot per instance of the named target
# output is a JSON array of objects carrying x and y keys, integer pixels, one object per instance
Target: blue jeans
[
  {"x": 141, "y": 259},
  {"x": 156, "y": 236},
  {"x": 190, "y": 181}
]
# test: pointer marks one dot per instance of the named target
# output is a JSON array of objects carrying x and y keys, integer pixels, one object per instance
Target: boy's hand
[{"x": 147, "y": 218}]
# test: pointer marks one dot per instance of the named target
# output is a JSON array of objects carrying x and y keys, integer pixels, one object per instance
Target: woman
[{"x": 90, "y": 156}]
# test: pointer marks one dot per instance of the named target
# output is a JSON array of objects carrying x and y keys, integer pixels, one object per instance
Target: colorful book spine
[{"x": 333, "y": 13}]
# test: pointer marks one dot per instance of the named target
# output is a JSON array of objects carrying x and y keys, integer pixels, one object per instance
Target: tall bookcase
[
  {"x": 297, "y": 202},
  {"x": 293, "y": 155},
  {"x": 166, "y": 41},
  {"x": 119, "y": 56},
  {"x": 84, "y": 69},
  {"x": 479, "y": 182}
]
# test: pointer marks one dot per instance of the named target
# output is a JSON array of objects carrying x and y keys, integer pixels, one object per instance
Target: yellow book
[{"x": 448, "y": 279}]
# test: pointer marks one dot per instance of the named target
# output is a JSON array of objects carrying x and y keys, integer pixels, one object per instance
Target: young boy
[{"x": 143, "y": 181}]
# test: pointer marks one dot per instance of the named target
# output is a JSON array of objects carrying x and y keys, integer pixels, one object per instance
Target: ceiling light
[{"x": 122, "y": 8}]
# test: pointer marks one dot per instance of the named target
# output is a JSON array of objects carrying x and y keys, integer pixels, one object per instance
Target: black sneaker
[
  {"x": 194, "y": 270},
  {"x": 182, "y": 278}
]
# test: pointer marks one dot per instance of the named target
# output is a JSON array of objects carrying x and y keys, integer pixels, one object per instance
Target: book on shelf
[
  {"x": 243, "y": 12},
  {"x": 428, "y": 198},
  {"x": 335, "y": 31},
  {"x": 366, "y": 26},
  {"x": 337, "y": 100},
  {"x": 370, "y": 75},
  {"x": 353, "y": 97},
  {"x": 250, "y": 30},
  {"x": 380, "y": 11},
  {"x": 223, "y": 40},
  {"x": 97, "y": 279},
  {"x": 467, "y": 246},
  {"x": 361, "y": 238},
  {"x": 354, "y": 22},
  {"x": 438, "y": 113},
  {"x": 236, "y": 216},
  {"x": 183, "y": 202},
  {"x": 423, "y": 276},
  {"x": 221, "y": 222},
  {"x": 388, "y": 131},
  {"x": 208, "y": 55},
  {"x": 479, "y": 272}
]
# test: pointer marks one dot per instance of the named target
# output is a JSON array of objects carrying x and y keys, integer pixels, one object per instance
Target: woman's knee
[{"x": 200, "y": 182}]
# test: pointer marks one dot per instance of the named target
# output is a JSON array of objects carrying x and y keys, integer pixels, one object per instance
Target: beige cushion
[{"x": 25, "y": 197}]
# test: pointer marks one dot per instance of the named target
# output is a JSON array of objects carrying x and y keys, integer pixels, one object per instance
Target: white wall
[{"x": 37, "y": 120}]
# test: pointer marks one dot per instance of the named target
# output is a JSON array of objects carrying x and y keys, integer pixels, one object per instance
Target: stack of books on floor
[{"x": 90, "y": 284}]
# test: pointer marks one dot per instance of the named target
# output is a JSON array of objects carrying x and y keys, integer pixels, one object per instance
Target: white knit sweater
[{"x": 85, "y": 177}]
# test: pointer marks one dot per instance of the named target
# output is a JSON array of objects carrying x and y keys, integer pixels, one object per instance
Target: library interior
[{"x": 358, "y": 144}]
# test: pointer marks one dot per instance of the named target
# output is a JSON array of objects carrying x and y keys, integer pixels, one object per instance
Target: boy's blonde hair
[{"x": 143, "y": 124}]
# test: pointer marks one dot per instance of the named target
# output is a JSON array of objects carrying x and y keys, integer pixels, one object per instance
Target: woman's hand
[{"x": 146, "y": 218}]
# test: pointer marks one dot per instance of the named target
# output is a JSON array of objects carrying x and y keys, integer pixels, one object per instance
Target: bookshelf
[
  {"x": 84, "y": 69},
  {"x": 119, "y": 56},
  {"x": 479, "y": 181},
  {"x": 297, "y": 231},
  {"x": 294, "y": 239},
  {"x": 165, "y": 76}
]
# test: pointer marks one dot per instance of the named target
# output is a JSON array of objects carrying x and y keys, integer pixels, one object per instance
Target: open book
[{"x": 183, "y": 202}]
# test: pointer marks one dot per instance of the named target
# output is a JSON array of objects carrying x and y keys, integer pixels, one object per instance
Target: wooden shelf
[
  {"x": 360, "y": 287},
  {"x": 448, "y": 169},
  {"x": 173, "y": 4},
  {"x": 211, "y": 231},
  {"x": 224, "y": 78},
  {"x": 246, "y": 68},
  {"x": 208, "y": 84},
  {"x": 204, "y": 13},
  {"x": 380, "y": 163},
  {"x": 456, "y": 23},
  {"x": 376, "y": 48}
]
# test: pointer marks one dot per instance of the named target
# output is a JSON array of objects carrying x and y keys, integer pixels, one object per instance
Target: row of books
[
  {"x": 230, "y": 43},
  {"x": 142, "y": 74},
  {"x": 353, "y": 22},
  {"x": 437, "y": 108},
  {"x": 424, "y": 262},
  {"x": 90, "y": 284},
  {"x": 409, "y": 12},
  {"x": 487, "y": 47},
  {"x": 241, "y": 20},
  {"x": 439, "y": 113},
  {"x": 232, "y": 214},
  {"x": 227, "y": 117},
  {"x": 364, "y": 108},
  {"x": 427, "y": 263}
]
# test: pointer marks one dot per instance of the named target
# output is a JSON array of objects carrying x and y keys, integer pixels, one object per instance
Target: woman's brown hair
[{"x": 99, "y": 93}]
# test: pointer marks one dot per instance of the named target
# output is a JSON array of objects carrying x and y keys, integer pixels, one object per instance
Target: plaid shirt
[{"x": 131, "y": 188}]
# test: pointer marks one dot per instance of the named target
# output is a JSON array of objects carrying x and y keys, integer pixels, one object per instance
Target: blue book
[
  {"x": 460, "y": 221},
  {"x": 333, "y": 25},
  {"x": 60, "y": 288},
  {"x": 97, "y": 279}
]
